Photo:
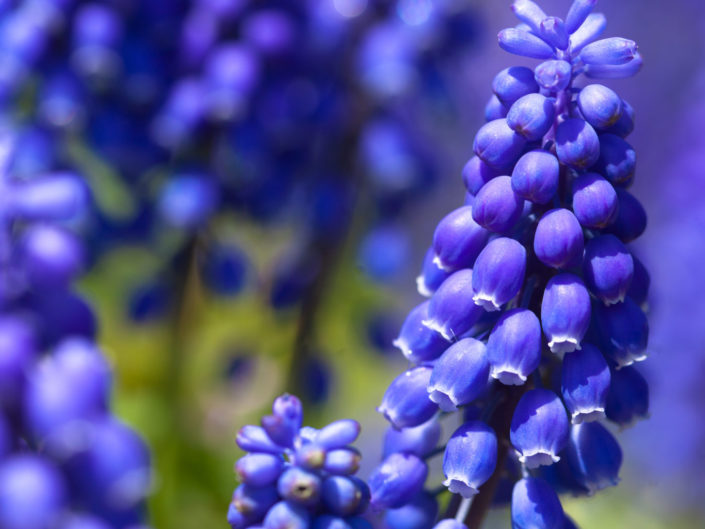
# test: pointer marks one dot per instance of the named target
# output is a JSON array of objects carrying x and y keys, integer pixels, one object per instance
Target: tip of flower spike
[
  {"x": 563, "y": 344},
  {"x": 444, "y": 401},
  {"x": 538, "y": 459},
  {"x": 486, "y": 301},
  {"x": 422, "y": 288},
  {"x": 458, "y": 486},
  {"x": 581, "y": 416},
  {"x": 629, "y": 360},
  {"x": 440, "y": 329},
  {"x": 507, "y": 377}
]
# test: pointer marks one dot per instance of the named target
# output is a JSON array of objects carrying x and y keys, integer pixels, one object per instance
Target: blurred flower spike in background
[{"x": 210, "y": 205}]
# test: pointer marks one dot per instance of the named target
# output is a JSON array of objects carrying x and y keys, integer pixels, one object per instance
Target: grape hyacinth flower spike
[
  {"x": 295, "y": 476},
  {"x": 530, "y": 281}
]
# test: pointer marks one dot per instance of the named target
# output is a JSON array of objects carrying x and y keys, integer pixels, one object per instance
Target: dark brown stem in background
[{"x": 499, "y": 421}]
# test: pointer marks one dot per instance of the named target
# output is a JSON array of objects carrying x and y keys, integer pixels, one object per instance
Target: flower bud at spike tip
[
  {"x": 594, "y": 456},
  {"x": 460, "y": 375},
  {"x": 345, "y": 496},
  {"x": 558, "y": 241},
  {"x": 514, "y": 346},
  {"x": 529, "y": 13},
  {"x": 286, "y": 515},
  {"x": 338, "y": 434},
  {"x": 254, "y": 439},
  {"x": 585, "y": 381},
  {"x": 497, "y": 144},
  {"x": 417, "y": 341},
  {"x": 342, "y": 461},
  {"x": 609, "y": 52},
  {"x": 589, "y": 31},
  {"x": 406, "y": 402},
  {"x": 553, "y": 75},
  {"x": 552, "y": 30},
  {"x": 397, "y": 480},
  {"x": 470, "y": 458},
  {"x": 578, "y": 12},
  {"x": 535, "y": 505},
  {"x": 565, "y": 312},
  {"x": 451, "y": 311},
  {"x": 259, "y": 470},
  {"x": 539, "y": 428},
  {"x": 458, "y": 240},
  {"x": 608, "y": 268},
  {"x": 520, "y": 42},
  {"x": 535, "y": 176},
  {"x": 498, "y": 273},
  {"x": 497, "y": 207},
  {"x": 299, "y": 486}
]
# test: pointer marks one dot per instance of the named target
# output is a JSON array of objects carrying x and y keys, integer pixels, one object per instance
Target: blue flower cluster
[
  {"x": 535, "y": 314},
  {"x": 298, "y": 477},
  {"x": 65, "y": 461}
]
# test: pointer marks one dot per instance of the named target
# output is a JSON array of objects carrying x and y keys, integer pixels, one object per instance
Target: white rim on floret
[
  {"x": 507, "y": 375},
  {"x": 437, "y": 261},
  {"x": 486, "y": 301},
  {"x": 439, "y": 328},
  {"x": 458, "y": 485},
  {"x": 537, "y": 458},
  {"x": 587, "y": 415},
  {"x": 422, "y": 288},
  {"x": 445, "y": 400},
  {"x": 403, "y": 347},
  {"x": 563, "y": 344}
]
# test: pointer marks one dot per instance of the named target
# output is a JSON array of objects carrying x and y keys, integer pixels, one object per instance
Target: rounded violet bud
[
  {"x": 254, "y": 439},
  {"x": 416, "y": 341},
  {"x": 529, "y": 13},
  {"x": 188, "y": 201},
  {"x": 326, "y": 521},
  {"x": 497, "y": 207},
  {"x": 585, "y": 380},
  {"x": 524, "y": 43},
  {"x": 338, "y": 434},
  {"x": 60, "y": 196},
  {"x": 476, "y": 174},
  {"x": 595, "y": 201},
  {"x": 536, "y": 505},
  {"x": 539, "y": 428},
  {"x": 397, "y": 480},
  {"x": 279, "y": 430},
  {"x": 514, "y": 346},
  {"x": 589, "y": 31},
  {"x": 289, "y": 408},
  {"x": 345, "y": 496},
  {"x": 460, "y": 375},
  {"x": 512, "y": 83},
  {"x": 494, "y": 109},
  {"x": 419, "y": 513},
  {"x": 639, "y": 289},
  {"x": 431, "y": 275},
  {"x": 628, "y": 397},
  {"x": 623, "y": 330},
  {"x": 552, "y": 30},
  {"x": 308, "y": 454},
  {"x": 631, "y": 218},
  {"x": 608, "y": 268},
  {"x": 535, "y": 176},
  {"x": 498, "y": 145},
  {"x": 345, "y": 461},
  {"x": 625, "y": 124},
  {"x": 594, "y": 456},
  {"x": 553, "y": 75},
  {"x": 609, "y": 52},
  {"x": 299, "y": 486},
  {"x": 577, "y": 144},
  {"x": 617, "y": 160},
  {"x": 418, "y": 440},
  {"x": 558, "y": 241},
  {"x": 458, "y": 240},
  {"x": 451, "y": 311},
  {"x": 32, "y": 493},
  {"x": 531, "y": 116},
  {"x": 578, "y": 12},
  {"x": 259, "y": 470},
  {"x": 253, "y": 502},
  {"x": 286, "y": 515},
  {"x": 565, "y": 312},
  {"x": 599, "y": 105},
  {"x": 51, "y": 256},
  {"x": 498, "y": 273},
  {"x": 470, "y": 458},
  {"x": 406, "y": 402}
]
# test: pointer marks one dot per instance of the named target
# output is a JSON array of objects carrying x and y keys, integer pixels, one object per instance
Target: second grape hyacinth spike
[{"x": 531, "y": 281}]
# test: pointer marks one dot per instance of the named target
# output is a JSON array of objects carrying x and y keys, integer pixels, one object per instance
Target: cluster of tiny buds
[
  {"x": 298, "y": 477},
  {"x": 531, "y": 285}
]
